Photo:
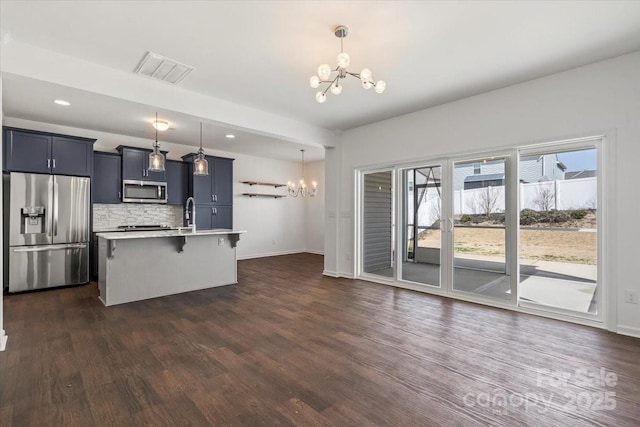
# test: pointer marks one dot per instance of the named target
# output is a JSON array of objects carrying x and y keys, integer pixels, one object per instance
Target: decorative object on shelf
[
  {"x": 156, "y": 158},
  {"x": 272, "y": 196},
  {"x": 301, "y": 189},
  {"x": 161, "y": 125},
  {"x": 325, "y": 72},
  {"x": 200, "y": 163},
  {"x": 267, "y": 184}
]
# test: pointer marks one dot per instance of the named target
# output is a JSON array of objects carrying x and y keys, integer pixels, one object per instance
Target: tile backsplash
[{"x": 107, "y": 217}]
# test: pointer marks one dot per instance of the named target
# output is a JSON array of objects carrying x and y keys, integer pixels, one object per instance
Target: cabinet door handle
[
  {"x": 119, "y": 195},
  {"x": 215, "y": 197},
  {"x": 212, "y": 211},
  {"x": 212, "y": 199},
  {"x": 54, "y": 163},
  {"x": 48, "y": 163}
]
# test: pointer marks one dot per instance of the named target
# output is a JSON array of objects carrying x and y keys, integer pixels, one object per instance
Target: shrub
[
  {"x": 529, "y": 216},
  {"x": 555, "y": 217},
  {"x": 578, "y": 213},
  {"x": 465, "y": 218}
]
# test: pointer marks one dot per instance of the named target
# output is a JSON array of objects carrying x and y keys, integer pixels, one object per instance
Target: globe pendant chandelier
[{"x": 326, "y": 73}]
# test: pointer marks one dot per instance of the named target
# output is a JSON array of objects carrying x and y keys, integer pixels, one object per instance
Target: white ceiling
[{"x": 261, "y": 54}]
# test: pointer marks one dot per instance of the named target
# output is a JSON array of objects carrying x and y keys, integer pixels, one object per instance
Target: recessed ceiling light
[
  {"x": 161, "y": 125},
  {"x": 62, "y": 102},
  {"x": 230, "y": 136}
]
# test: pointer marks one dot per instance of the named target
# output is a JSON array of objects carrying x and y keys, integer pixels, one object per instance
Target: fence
[{"x": 540, "y": 196}]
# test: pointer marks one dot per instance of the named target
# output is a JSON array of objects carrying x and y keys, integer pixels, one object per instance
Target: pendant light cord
[{"x": 156, "y": 146}]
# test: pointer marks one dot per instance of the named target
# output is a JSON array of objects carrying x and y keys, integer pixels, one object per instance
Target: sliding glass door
[
  {"x": 559, "y": 230},
  {"x": 422, "y": 242},
  {"x": 480, "y": 219},
  {"x": 516, "y": 227}
]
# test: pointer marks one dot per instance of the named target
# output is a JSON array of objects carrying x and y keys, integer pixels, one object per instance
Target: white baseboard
[
  {"x": 309, "y": 251},
  {"x": 268, "y": 254},
  {"x": 3, "y": 340},
  {"x": 628, "y": 330},
  {"x": 336, "y": 274}
]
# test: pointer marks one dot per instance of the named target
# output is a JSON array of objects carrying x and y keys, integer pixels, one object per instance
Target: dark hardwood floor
[{"x": 287, "y": 346}]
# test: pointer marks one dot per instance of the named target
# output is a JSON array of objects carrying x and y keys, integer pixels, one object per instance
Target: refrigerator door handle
[
  {"x": 55, "y": 207},
  {"x": 43, "y": 248}
]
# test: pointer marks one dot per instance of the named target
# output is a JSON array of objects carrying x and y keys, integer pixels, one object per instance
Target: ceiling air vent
[{"x": 161, "y": 68}]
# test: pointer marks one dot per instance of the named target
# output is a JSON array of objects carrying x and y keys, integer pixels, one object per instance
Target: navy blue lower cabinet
[
  {"x": 204, "y": 217},
  {"x": 223, "y": 216}
]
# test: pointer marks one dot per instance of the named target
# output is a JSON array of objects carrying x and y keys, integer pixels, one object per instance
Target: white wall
[
  {"x": 590, "y": 100},
  {"x": 314, "y": 207},
  {"x": 274, "y": 226}
]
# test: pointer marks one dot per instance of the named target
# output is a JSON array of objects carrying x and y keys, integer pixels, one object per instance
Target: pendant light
[
  {"x": 156, "y": 158},
  {"x": 200, "y": 163}
]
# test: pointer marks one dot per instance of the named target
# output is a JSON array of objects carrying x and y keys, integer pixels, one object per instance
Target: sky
[{"x": 579, "y": 160}]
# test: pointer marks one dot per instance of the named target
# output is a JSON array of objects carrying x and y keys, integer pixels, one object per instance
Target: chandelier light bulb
[
  {"x": 336, "y": 89},
  {"x": 324, "y": 72},
  {"x": 366, "y": 74},
  {"x": 343, "y": 60},
  {"x": 321, "y": 97},
  {"x": 380, "y": 86},
  {"x": 314, "y": 82}
]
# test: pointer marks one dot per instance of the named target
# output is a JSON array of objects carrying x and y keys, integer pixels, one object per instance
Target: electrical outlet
[
  {"x": 630, "y": 297},
  {"x": 348, "y": 257},
  {"x": 220, "y": 241}
]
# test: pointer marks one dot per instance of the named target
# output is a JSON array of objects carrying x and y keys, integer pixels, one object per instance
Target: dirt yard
[{"x": 562, "y": 243}]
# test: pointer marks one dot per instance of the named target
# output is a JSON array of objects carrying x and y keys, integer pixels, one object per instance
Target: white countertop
[{"x": 123, "y": 235}]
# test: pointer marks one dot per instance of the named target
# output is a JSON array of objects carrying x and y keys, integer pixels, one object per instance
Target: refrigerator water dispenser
[{"x": 33, "y": 221}]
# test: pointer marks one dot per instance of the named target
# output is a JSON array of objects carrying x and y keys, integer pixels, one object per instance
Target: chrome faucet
[{"x": 191, "y": 219}]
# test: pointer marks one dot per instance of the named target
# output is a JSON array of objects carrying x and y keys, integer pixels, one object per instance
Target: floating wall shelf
[
  {"x": 273, "y": 196},
  {"x": 268, "y": 184}
]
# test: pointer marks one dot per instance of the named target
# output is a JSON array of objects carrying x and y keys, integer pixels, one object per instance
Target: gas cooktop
[{"x": 144, "y": 227}]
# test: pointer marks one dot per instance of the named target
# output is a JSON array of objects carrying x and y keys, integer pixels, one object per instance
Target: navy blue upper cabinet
[
  {"x": 203, "y": 188},
  {"x": 135, "y": 165},
  {"x": 215, "y": 188},
  {"x": 107, "y": 178},
  {"x": 40, "y": 152},
  {"x": 213, "y": 193},
  {"x": 176, "y": 182},
  {"x": 223, "y": 181},
  {"x": 71, "y": 157}
]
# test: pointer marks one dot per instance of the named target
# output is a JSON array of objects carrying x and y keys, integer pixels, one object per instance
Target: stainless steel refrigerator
[{"x": 48, "y": 235}]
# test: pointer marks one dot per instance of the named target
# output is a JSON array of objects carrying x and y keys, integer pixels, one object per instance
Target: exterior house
[{"x": 490, "y": 173}]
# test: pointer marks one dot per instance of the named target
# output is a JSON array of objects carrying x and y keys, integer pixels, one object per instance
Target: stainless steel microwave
[{"x": 144, "y": 191}]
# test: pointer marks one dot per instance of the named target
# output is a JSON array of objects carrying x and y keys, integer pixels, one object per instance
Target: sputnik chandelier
[{"x": 325, "y": 73}]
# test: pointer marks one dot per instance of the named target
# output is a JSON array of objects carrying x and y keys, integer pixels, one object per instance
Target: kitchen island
[{"x": 140, "y": 265}]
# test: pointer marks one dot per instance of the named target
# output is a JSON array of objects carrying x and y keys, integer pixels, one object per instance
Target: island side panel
[{"x": 152, "y": 267}]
